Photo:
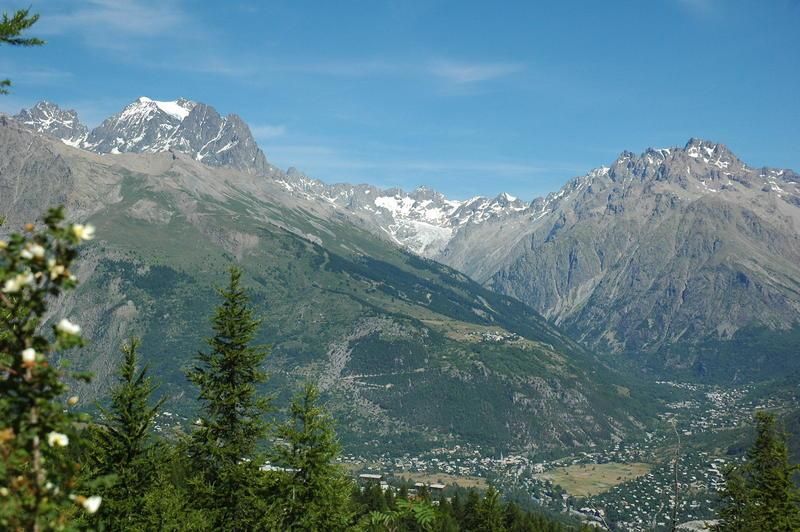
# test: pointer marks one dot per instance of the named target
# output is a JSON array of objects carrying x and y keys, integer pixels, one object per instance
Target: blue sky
[{"x": 467, "y": 97}]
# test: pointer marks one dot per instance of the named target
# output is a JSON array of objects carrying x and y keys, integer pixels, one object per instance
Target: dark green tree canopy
[
  {"x": 761, "y": 494},
  {"x": 224, "y": 444},
  {"x": 124, "y": 449}
]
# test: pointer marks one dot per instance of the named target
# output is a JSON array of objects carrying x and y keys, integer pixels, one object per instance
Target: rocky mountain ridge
[
  {"x": 422, "y": 221},
  {"x": 412, "y": 353},
  {"x": 674, "y": 255},
  {"x": 666, "y": 250},
  {"x": 151, "y": 126}
]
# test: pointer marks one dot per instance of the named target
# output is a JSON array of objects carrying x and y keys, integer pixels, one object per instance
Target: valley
[
  {"x": 431, "y": 374},
  {"x": 421, "y": 267},
  {"x": 630, "y": 483}
]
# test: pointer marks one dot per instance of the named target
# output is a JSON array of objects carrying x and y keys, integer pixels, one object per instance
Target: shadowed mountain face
[
  {"x": 684, "y": 259},
  {"x": 412, "y": 354}
]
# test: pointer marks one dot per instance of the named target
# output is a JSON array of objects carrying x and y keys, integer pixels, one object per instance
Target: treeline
[
  {"x": 466, "y": 510},
  {"x": 237, "y": 467}
]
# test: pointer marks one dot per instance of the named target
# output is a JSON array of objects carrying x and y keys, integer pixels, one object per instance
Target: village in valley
[{"x": 633, "y": 484}]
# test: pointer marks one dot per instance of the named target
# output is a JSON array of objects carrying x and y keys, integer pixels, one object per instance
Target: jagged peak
[{"x": 178, "y": 109}]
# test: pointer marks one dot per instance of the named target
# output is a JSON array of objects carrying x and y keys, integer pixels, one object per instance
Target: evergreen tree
[
  {"x": 224, "y": 444},
  {"x": 490, "y": 516},
  {"x": 470, "y": 513},
  {"x": 391, "y": 503},
  {"x": 760, "y": 495},
  {"x": 312, "y": 493},
  {"x": 123, "y": 444},
  {"x": 166, "y": 505},
  {"x": 11, "y": 29}
]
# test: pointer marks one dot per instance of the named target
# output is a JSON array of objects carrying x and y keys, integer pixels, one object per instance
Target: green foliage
[
  {"x": 760, "y": 494},
  {"x": 11, "y": 30},
  {"x": 123, "y": 449},
  {"x": 409, "y": 515},
  {"x": 223, "y": 445},
  {"x": 479, "y": 514},
  {"x": 313, "y": 492},
  {"x": 37, "y": 430},
  {"x": 490, "y": 512}
]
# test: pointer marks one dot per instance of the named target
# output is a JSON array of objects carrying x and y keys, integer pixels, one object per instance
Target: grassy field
[{"x": 590, "y": 479}]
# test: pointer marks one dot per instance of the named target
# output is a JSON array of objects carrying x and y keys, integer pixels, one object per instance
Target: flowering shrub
[{"x": 38, "y": 426}]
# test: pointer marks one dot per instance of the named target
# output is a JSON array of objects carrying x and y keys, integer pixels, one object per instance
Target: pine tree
[
  {"x": 166, "y": 505},
  {"x": 124, "y": 448},
  {"x": 491, "y": 513},
  {"x": 224, "y": 444},
  {"x": 312, "y": 494},
  {"x": 471, "y": 510},
  {"x": 760, "y": 495},
  {"x": 11, "y": 29}
]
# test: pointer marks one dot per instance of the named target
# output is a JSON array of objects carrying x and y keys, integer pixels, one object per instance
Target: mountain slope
[
  {"x": 411, "y": 353},
  {"x": 683, "y": 257}
]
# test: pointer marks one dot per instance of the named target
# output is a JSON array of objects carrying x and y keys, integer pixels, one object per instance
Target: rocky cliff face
[
  {"x": 49, "y": 118},
  {"x": 673, "y": 247},
  {"x": 150, "y": 126}
]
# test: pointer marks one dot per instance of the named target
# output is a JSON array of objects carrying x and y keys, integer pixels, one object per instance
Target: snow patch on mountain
[{"x": 177, "y": 108}]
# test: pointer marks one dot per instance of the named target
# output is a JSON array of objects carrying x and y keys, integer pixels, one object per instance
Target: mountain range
[
  {"x": 676, "y": 261},
  {"x": 411, "y": 353}
]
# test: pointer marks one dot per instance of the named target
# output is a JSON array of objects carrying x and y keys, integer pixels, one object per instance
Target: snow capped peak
[
  {"x": 178, "y": 109},
  {"x": 49, "y": 118},
  {"x": 507, "y": 197},
  {"x": 154, "y": 126}
]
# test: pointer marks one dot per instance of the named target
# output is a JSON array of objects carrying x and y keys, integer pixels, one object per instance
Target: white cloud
[
  {"x": 144, "y": 18},
  {"x": 268, "y": 131},
  {"x": 23, "y": 74},
  {"x": 464, "y": 72}
]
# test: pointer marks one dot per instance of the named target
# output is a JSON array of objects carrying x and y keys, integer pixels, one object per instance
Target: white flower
[
  {"x": 92, "y": 504},
  {"x": 56, "y": 270},
  {"x": 3, "y": 244},
  {"x": 67, "y": 327},
  {"x": 16, "y": 283},
  {"x": 29, "y": 355},
  {"x": 83, "y": 232},
  {"x": 32, "y": 251},
  {"x": 56, "y": 439},
  {"x": 4, "y": 492}
]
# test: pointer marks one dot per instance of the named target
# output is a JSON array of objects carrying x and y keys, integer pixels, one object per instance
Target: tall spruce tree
[
  {"x": 313, "y": 493},
  {"x": 224, "y": 445},
  {"x": 124, "y": 448},
  {"x": 760, "y": 495}
]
